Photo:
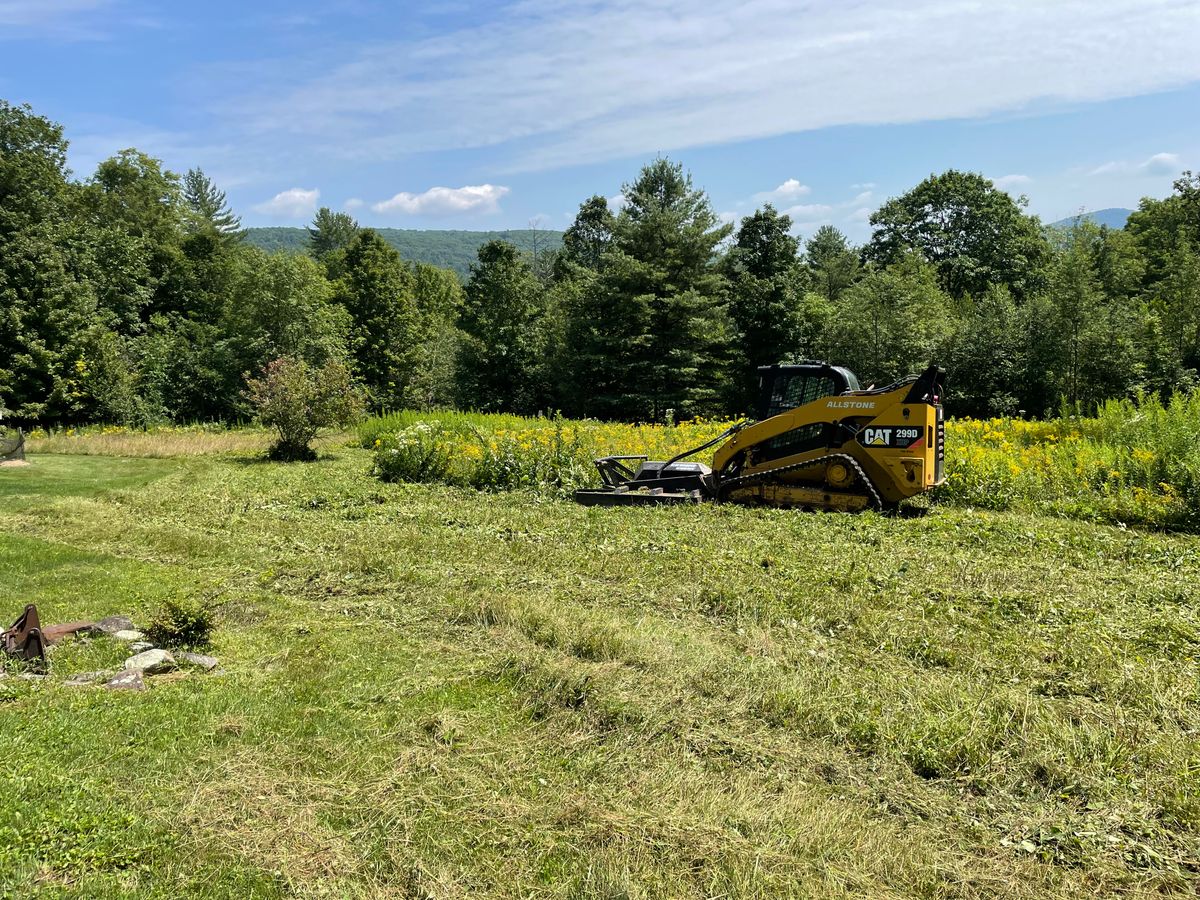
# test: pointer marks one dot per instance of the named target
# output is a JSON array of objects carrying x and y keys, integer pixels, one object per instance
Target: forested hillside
[
  {"x": 1113, "y": 217},
  {"x": 133, "y": 296},
  {"x": 449, "y": 249}
]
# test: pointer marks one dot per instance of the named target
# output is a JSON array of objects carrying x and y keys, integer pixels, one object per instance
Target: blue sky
[{"x": 490, "y": 115}]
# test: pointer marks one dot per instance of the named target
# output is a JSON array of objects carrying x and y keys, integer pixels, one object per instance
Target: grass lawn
[{"x": 430, "y": 692}]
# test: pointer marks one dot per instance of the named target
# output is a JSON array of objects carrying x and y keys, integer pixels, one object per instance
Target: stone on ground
[
  {"x": 151, "y": 662},
  {"x": 114, "y": 624},
  {"x": 127, "y": 681},
  {"x": 140, "y": 646},
  {"x": 207, "y": 663},
  {"x": 81, "y": 678},
  {"x": 128, "y": 634}
]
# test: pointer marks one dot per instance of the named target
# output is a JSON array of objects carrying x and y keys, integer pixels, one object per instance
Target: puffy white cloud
[
  {"x": 1158, "y": 164},
  {"x": 444, "y": 201},
  {"x": 294, "y": 203},
  {"x": 789, "y": 191},
  {"x": 617, "y": 78}
]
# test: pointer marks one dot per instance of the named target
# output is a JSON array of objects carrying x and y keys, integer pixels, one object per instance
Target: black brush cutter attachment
[
  {"x": 25, "y": 639},
  {"x": 652, "y": 483}
]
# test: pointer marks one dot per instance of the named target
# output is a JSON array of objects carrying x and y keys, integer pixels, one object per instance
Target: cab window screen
[{"x": 797, "y": 390}]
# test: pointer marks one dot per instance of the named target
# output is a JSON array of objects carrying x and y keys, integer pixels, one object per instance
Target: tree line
[{"x": 130, "y": 297}]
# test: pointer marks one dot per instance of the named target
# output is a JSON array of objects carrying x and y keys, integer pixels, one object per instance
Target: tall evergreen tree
[
  {"x": 651, "y": 332},
  {"x": 766, "y": 285},
  {"x": 588, "y": 238},
  {"x": 330, "y": 236},
  {"x": 378, "y": 291},
  {"x": 208, "y": 208},
  {"x": 503, "y": 349},
  {"x": 832, "y": 265}
]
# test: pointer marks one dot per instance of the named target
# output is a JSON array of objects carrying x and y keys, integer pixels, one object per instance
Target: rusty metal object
[
  {"x": 52, "y": 634},
  {"x": 25, "y": 639}
]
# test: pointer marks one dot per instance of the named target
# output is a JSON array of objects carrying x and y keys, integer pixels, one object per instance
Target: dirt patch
[{"x": 13, "y": 463}]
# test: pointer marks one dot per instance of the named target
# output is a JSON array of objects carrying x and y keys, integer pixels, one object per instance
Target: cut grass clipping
[{"x": 429, "y": 691}]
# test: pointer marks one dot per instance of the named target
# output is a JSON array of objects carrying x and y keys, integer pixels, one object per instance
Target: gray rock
[
  {"x": 110, "y": 625},
  {"x": 128, "y": 634},
  {"x": 140, "y": 646},
  {"x": 82, "y": 678},
  {"x": 207, "y": 663},
  {"x": 127, "y": 681},
  {"x": 32, "y": 676},
  {"x": 113, "y": 624},
  {"x": 151, "y": 662}
]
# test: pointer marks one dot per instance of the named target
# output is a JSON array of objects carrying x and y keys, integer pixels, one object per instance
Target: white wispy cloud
[
  {"x": 294, "y": 203},
  {"x": 1158, "y": 164},
  {"x": 69, "y": 20},
  {"x": 33, "y": 13},
  {"x": 353, "y": 203},
  {"x": 807, "y": 213},
  {"x": 619, "y": 78},
  {"x": 789, "y": 191},
  {"x": 444, "y": 201},
  {"x": 1004, "y": 182}
]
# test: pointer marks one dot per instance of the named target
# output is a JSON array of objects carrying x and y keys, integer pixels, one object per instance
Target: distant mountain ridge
[
  {"x": 1113, "y": 217},
  {"x": 449, "y": 249}
]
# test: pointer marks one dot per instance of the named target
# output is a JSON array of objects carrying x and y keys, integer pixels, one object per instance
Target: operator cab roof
[{"x": 781, "y": 388}]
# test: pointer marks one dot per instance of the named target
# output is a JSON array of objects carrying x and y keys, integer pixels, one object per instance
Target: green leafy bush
[
  {"x": 298, "y": 400},
  {"x": 186, "y": 622}
]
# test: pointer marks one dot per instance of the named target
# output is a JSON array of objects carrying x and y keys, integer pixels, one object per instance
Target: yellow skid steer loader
[{"x": 820, "y": 442}]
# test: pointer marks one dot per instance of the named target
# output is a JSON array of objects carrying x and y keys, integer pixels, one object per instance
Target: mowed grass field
[{"x": 427, "y": 691}]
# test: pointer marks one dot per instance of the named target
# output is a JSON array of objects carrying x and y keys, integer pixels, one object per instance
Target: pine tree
[
  {"x": 500, "y": 361},
  {"x": 329, "y": 237},
  {"x": 378, "y": 290},
  {"x": 208, "y": 207},
  {"x": 765, "y": 288},
  {"x": 650, "y": 331}
]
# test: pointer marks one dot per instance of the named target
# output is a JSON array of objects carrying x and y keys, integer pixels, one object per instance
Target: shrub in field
[
  {"x": 183, "y": 622},
  {"x": 298, "y": 400}
]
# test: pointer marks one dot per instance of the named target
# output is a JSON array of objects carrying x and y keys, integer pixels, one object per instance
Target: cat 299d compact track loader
[{"x": 820, "y": 442}]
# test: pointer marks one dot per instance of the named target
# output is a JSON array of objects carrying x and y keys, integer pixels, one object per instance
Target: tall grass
[{"x": 1135, "y": 461}]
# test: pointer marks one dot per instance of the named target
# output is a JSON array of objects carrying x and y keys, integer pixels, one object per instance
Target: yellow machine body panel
[{"x": 894, "y": 435}]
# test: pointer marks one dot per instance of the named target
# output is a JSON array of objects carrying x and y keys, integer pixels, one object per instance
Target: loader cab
[{"x": 781, "y": 388}]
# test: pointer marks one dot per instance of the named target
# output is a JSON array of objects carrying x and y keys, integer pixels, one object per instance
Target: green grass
[{"x": 431, "y": 692}]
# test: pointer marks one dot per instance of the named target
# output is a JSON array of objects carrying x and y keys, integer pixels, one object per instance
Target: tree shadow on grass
[{"x": 265, "y": 459}]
